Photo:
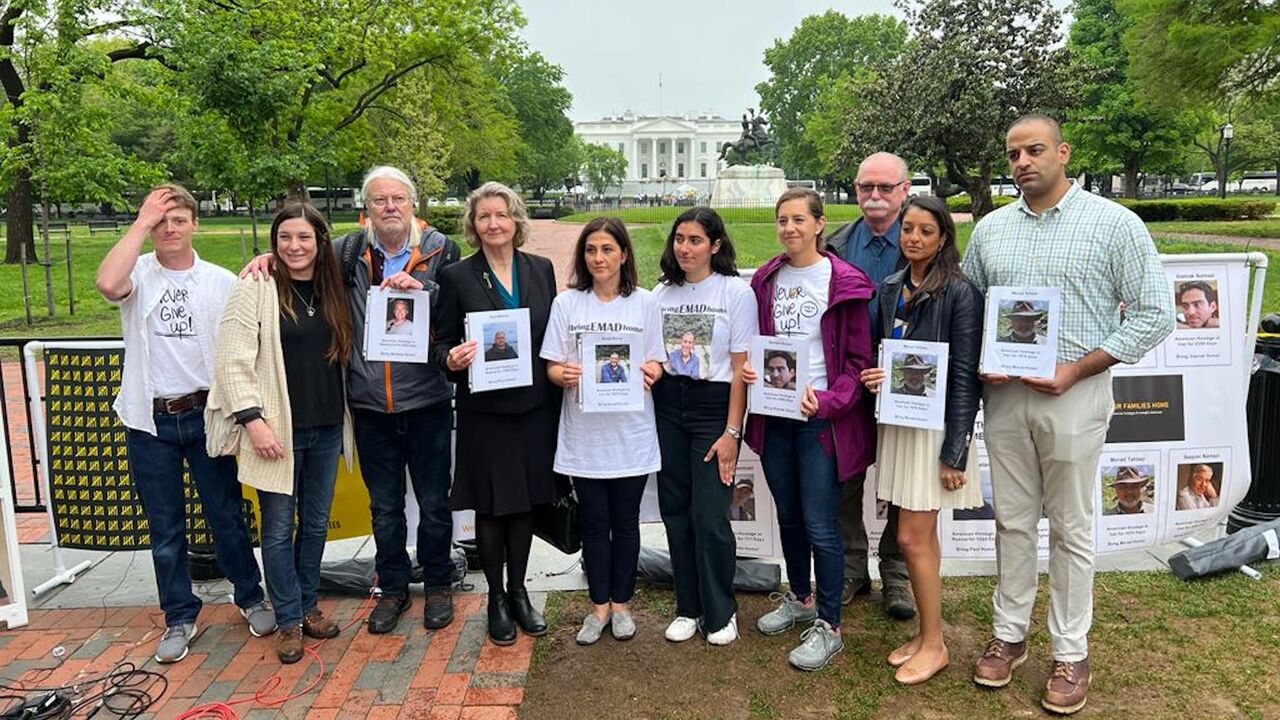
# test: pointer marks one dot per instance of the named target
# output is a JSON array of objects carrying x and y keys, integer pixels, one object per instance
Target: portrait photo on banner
[
  {"x": 1199, "y": 485},
  {"x": 1023, "y": 322},
  {"x": 686, "y": 337},
  {"x": 1128, "y": 489},
  {"x": 1195, "y": 303}
]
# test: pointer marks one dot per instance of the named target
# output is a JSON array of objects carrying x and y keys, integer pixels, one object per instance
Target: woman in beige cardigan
[{"x": 278, "y": 401}]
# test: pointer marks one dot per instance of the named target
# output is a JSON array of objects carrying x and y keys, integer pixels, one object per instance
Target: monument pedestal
[{"x": 748, "y": 186}]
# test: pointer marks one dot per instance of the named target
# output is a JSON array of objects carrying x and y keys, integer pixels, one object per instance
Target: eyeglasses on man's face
[{"x": 866, "y": 188}]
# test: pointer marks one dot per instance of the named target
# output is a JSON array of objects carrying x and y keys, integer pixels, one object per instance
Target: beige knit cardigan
[{"x": 248, "y": 371}]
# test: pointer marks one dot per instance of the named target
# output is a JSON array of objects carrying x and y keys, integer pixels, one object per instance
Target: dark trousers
[
  {"x": 610, "y": 514},
  {"x": 806, "y": 493},
  {"x": 694, "y": 503},
  {"x": 386, "y": 444},
  {"x": 853, "y": 530},
  {"x": 155, "y": 463}
]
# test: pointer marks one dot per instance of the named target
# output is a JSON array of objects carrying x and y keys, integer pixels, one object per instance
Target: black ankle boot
[
  {"x": 502, "y": 630},
  {"x": 530, "y": 620}
]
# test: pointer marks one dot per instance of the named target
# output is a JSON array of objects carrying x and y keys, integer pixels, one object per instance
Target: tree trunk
[
  {"x": 1131, "y": 180},
  {"x": 1277, "y": 175},
  {"x": 296, "y": 191},
  {"x": 18, "y": 223},
  {"x": 472, "y": 178},
  {"x": 979, "y": 190}
]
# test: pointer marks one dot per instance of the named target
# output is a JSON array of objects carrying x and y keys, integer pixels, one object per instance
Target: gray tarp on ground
[
  {"x": 751, "y": 575},
  {"x": 1250, "y": 545}
]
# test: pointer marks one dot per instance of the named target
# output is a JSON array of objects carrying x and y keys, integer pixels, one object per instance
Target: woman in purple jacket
[{"x": 811, "y": 293}]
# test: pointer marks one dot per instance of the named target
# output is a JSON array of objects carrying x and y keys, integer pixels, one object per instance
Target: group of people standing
[{"x": 277, "y": 383}]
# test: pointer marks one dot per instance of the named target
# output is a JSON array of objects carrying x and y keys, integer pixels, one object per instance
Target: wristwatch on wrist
[{"x": 734, "y": 432}]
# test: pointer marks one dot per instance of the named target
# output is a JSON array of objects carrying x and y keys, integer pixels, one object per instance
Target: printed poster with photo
[
  {"x": 914, "y": 391},
  {"x": 1202, "y": 323},
  {"x": 1129, "y": 493},
  {"x": 1196, "y": 488},
  {"x": 1020, "y": 332},
  {"x": 612, "y": 380},
  {"x": 783, "y": 370},
  {"x": 397, "y": 325},
  {"x": 504, "y": 350},
  {"x": 686, "y": 338},
  {"x": 751, "y": 509}
]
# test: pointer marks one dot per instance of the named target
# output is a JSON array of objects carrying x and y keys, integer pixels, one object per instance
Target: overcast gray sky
[{"x": 709, "y": 52}]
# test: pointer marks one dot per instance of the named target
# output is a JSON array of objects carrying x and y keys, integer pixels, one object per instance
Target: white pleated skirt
[{"x": 908, "y": 471}]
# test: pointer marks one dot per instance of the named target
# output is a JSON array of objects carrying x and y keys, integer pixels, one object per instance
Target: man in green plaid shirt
[{"x": 1044, "y": 435}]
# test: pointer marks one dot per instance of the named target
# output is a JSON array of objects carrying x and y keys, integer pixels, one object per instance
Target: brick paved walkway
[{"x": 411, "y": 673}]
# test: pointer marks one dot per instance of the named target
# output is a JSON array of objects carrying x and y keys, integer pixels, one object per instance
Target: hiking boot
[
  {"x": 817, "y": 646},
  {"x": 726, "y": 634},
  {"x": 853, "y": 588},
  {"x": 289, "y": 644},
  {"x": 592, "y": 627},
  {"x": 530, "y": 620},
  {"x": 897, "y": 602},
  {"x": 1067, "y": 689},
  {"x": 387, "y": 612},
  {"x": 622, "y": 625},
  {"x": 174, "y": 643},
  {"x": 261, "y": 619},
  {"x": 787, "y": 615},
  {"x": 995, "y": 667},
  {"x": 316, "y": 625},
  {"x": 681, "y": 629},
  {"x": 439, "y": 611}
]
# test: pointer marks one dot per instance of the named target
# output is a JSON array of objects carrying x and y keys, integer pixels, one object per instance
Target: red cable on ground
[{"x": 226, "y": 710}]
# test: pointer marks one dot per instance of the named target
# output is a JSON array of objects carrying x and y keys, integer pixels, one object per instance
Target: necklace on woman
[{"x": 311, "y": 308}]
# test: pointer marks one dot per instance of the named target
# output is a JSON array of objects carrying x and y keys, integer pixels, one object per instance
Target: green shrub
[
  {"x": 962, "y": 203},
  {"x": 1200, "y": 209},
  {"x": 446, "y": 218}
]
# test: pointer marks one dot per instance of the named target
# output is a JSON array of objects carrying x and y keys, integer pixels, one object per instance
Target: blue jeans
[
  {"x": 155, "y": 463},
  {"x": 292, "y": 564},
  {"x": 386, "y": 443},
  {"x": 806, "y": 492}
]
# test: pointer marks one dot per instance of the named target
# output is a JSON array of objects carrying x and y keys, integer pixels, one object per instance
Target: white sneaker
[
  {"x": 726, "y": 634},
  {"x": 681, "y": 629}
]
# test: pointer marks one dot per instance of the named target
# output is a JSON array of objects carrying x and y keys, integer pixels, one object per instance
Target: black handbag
[{"x": 557, "y": 523}]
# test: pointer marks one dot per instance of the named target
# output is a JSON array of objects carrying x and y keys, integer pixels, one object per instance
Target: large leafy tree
[
  {"x": 822, "y": 49},
  {"x": 603, "y": 167},
  {"x": 1116, "y": 127},
  {"x": 971, "y": 68},
  {"x": 1224, "y": 50},
  {"x": 547, "y": 153}
]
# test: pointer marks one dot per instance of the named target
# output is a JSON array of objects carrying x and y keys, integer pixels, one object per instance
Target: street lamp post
[{"x": 1228, "y": 132}]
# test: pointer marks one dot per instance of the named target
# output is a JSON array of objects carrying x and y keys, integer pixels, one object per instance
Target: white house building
[{"x": 665, "y": 152}]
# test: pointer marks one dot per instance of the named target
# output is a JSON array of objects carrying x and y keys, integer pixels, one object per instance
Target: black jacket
[
  {"x": 953, "y": 316},
  {"x": 470, "y": 286}
]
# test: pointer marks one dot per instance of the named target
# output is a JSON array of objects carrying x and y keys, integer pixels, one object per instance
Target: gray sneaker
[
  {"x": 623, "y": 626},
  {"x": 262, "y": 619},
  {"x": 175, "y": 642},
  {"x": 789, "y": 613},
  {"x": 592, "y": 626},
  {"x": 817, "y": 646}
]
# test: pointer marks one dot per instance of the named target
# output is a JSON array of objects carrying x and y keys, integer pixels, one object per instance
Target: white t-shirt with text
[
  {"x": 800, "y": 296},
  {"x": 177, "y": 361},
  {"x": 723, "y": 304},
  {"x": 604, "y": 445}
]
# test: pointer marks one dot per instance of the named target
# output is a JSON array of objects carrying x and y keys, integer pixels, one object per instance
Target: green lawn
[{"x": 1266, "y": 228}]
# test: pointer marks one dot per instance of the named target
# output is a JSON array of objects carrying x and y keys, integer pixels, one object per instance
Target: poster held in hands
[
  {"x": 1020, "y": 332},
  {"x": 783, "y": 364},
  {"x": 914, "y": 391},
  {"x": 397, "y": 326},
  {"x": 504, "y": 355},
  {"x": 612, "y": 380}
]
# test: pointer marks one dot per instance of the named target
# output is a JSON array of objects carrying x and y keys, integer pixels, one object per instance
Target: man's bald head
[
  {"x": 1054, "y": 128},
  {"x": 884, "y": 161}
]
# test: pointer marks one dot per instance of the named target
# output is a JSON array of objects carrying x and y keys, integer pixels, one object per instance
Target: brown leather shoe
[
  {"x": 289, "y": 644},
  {"x": 1068, "y": 687},
  {"x": 316, "y": 625},
  {"x": 995, "y": 667}
]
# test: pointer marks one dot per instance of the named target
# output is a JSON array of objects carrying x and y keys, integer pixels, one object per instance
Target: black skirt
[{"x": 504, "y": 462}]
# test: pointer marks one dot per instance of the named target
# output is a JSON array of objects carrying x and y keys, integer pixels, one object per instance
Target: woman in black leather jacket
[{"x": 919, "y": 470}]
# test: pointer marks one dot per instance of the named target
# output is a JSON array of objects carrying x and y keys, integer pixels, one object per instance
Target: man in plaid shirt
[{"x": 1044, "y": 435}]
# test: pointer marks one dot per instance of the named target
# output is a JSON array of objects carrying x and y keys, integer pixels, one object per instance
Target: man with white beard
[{"x": 871, "y": 244}]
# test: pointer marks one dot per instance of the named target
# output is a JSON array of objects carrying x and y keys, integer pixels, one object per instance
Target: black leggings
[
  {"x": 504, "y": 538},
  {"x": 610, "y": 514}
]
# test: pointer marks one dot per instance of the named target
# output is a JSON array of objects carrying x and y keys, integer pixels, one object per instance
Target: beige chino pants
[{"x": 1044, "y": 453}]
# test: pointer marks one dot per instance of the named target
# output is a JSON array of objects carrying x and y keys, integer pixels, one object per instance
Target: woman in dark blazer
[{"x": 506, "y": 439}]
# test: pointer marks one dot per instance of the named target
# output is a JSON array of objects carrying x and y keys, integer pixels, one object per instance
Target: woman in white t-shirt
[
  {"x": 608, "y": 455},
  {"x": 708, "y": 318},
  {"x": 809, "y": 292}
]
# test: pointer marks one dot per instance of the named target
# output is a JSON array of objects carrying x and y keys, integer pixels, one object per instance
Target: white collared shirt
[{"x": 208, "y": 286}]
